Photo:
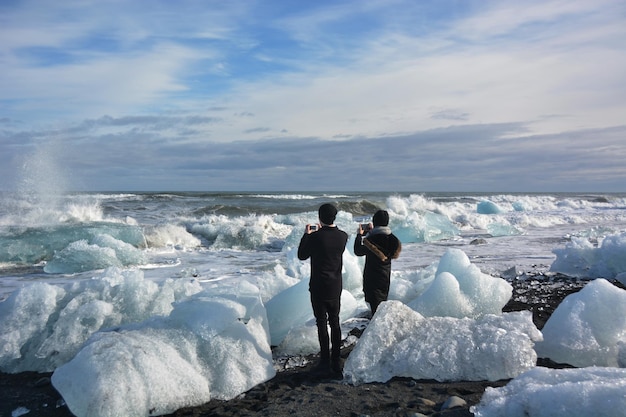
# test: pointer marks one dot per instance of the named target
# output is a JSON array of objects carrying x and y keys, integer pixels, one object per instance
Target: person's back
[
  {"x": 325, "y": 247},
  {"x": 379, "y": 246}
]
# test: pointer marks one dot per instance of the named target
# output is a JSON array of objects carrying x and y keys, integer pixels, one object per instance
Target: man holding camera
[
  {"x": 325, "y": 247},
  {"x": 379, "y": 246}
]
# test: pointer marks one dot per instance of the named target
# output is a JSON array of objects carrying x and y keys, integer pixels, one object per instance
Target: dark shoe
[
  {"x": 337, "y": 366},
  {"x": 322, "y": 368}
]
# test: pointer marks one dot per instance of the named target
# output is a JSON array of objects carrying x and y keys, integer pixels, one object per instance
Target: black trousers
[{"x": 327, "y": 314}]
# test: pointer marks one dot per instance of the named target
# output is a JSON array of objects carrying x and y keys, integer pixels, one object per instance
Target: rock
[
  {"x": 426, "y": 402},
  {"x": 479, "y": 241},
  {"x": 411, "y": 383},
  {"x": 452, "y": 402},
  {"x": 403, "y": 413},
  {"x": 42, "y": 382}
]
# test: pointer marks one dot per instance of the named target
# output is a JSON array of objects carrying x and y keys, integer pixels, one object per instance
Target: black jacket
[
  {"x": 325, "y": 248},
  {"x": 378, "y": 249}
]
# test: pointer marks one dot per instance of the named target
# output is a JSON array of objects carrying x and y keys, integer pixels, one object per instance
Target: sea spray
[{"x": 43, "y": 182}]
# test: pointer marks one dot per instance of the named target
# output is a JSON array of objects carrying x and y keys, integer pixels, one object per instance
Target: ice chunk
[
  {"x": 81, "y": 256},
  {"x": 443, "y": 298},
  {"x": 558, "y": 392},
  {"x": 273, "y": 282},
  {"x": 408, "y": 285},
  {"x": 488, "y": 207},
  {"x": 300, "y": 341},
  {"x": 460, "y": 289},
  {"x": 132, "y": 373},
  {"x": 211, "y": 346},
  {"x": 425, "y": 226},
  {"x": 43, "y": 326},
  {"x": 20, "y": 411},
  {"x": 580, "y": 258},
  {"x": 101, "y": 252},
  {"x": 587, "y": 327},
  {"x": 503, "y": 229},
  {"x": 23, "y": 317},
  {"x": 291, "y": 309},
  {"x": 401, "y": 342},
  {"x": 288, "y": 309}
]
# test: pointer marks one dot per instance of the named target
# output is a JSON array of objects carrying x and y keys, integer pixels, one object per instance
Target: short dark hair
[{"x": 327, "y": 213}]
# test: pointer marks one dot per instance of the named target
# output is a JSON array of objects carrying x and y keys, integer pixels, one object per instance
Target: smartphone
[
  {"x": 365, "y": 227},
  {"x": 313, "y": 227}
]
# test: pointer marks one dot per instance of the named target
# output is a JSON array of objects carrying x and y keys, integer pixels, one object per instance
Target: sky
[{"x": 277, "y": 95}]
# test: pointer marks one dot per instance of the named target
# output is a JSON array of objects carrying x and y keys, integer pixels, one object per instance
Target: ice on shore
[
  {"x": 43, "y": 326},
  {"x": 488, "y": 207},
  {"x": 460, "y": 289},
  {"x": 401, "y": 342},
  {"x": 581, "y": 258},
  {"x": 290, "y": 311},
  {"x": 210, "y": 346},
  {"x": 99, "y": 252},
  {"x": 547, "y": 392},
  {"x": 588, "y": 328},
  {"x": 213, "y": 339}
]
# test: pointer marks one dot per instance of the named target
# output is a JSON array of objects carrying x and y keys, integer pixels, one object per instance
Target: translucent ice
[
  {"x": 98, "y": 253},
  {"x": 488, "y": 207},
  {"x": 543, "y": 392},
  {"x": 210, "y": 346},
  {"x": 291, "y": 309},
  {"x": 588, "y": 327},
  {"x": 581, "y": 258},
  {"x": 42, "y": 326},
  {"x": 460, "y": 289},
  {"x": 401, "y": 342}
]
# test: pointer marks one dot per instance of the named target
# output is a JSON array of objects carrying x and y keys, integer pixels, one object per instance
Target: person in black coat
[
  {"x": 379, "y": 246},
  {"x": 325, "y": 247}
]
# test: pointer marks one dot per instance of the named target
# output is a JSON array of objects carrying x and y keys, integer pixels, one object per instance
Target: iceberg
[
  {"x": 43, "y": 326},
  {"x": 401, "y": 342},
  {"x": 460, "y": 289},
  {"x": 543, "y": 392},
  {"x": 581, "y": 258},
  {"x": 291, "y": 309},
  {"x": 488, "y": 207},
  {"x": 210, "y": 346},
  {"x": 588, "y": 328}
]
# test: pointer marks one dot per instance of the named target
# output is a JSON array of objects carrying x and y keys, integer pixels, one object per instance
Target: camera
[
  {"x": 313, "y": 227},
  {"x": 366, "y": 227}
]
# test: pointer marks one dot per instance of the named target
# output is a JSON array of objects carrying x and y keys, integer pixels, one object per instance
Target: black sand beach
[{"x": 300, "y": 392}]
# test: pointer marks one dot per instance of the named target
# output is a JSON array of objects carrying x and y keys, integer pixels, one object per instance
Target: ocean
[
  {"x": 196, "y": 296},
  {"x": 62, "y": 238}
]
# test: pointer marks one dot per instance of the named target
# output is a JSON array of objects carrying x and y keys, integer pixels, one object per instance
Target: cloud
[
  {"x": 450, "y": 114},
  {"x": 460, "y": 158},
  {"x": 206, "y": 95}
]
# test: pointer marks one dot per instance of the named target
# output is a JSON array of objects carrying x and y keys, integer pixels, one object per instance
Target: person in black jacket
[
  {"x": 325, "y": 247},
  {"x": 379, "y": 246}
]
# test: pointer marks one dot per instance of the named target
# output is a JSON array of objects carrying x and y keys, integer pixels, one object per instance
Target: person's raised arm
[{"x": 304, "y": 250}]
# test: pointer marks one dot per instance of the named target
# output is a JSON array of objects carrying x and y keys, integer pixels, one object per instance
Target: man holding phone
[{"x": 325, "y": 246}]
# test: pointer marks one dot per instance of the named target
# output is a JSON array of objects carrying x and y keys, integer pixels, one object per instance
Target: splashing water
[{"x": 42, "y": 185}]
